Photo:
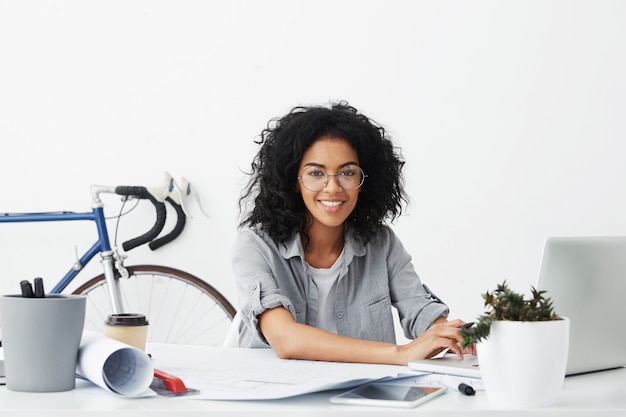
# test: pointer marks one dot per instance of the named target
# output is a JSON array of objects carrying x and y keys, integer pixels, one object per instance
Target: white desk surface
[{"x": 598, "y": 394}]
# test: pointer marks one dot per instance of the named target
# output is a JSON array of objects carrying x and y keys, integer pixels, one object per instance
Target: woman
[{"x": 317, "y": 268}]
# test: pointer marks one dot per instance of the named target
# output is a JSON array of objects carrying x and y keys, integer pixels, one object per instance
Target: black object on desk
[{"x": 466, "y": 389}]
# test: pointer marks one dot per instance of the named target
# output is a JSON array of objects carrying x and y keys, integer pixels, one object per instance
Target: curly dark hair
[{"x": 279, "y": 209}]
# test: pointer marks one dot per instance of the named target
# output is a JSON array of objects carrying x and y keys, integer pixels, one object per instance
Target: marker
[
  {"x": 39, "y": 292},
  {"x": 27, "y": 289},
  {"x": 459, "y": 385},
  {"x": 466, "y": 389},
  {"x": 450, "y": 382}
]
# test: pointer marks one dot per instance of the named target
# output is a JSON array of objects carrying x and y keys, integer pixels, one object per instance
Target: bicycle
[{"x": 181, "y": 308}]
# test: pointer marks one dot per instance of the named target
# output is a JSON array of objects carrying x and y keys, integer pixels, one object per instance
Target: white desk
[{"x": 597, "y": 394}]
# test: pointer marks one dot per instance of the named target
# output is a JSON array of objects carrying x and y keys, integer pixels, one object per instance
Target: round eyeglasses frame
[{"x": 339, "y": 180}]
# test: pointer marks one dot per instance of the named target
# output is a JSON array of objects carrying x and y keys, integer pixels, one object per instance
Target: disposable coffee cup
[
  {"x": 129, "y": 328},
  {"x": 40, "y": 340}
]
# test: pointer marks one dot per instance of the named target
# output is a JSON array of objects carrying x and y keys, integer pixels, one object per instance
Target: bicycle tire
[{"x": 181, "y": 308}]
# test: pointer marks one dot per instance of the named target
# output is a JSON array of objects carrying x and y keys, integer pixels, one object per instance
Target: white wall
[{"x": 510, "y": 115}]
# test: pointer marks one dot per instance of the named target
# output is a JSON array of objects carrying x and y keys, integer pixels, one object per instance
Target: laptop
[
  {"x": 449, "y": 364},
  {"x": 586, "y": 279}
]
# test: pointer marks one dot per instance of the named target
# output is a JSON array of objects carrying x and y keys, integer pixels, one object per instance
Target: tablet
[{"x": 389, "y": 394}]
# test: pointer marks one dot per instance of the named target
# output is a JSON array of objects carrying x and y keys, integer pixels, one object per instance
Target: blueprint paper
[
  {"x": 114, "y": 366},
  {"x": 256, "y": 374}
]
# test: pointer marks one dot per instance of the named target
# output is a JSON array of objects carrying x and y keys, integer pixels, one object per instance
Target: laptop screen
[{"x": 586, "y": 279}]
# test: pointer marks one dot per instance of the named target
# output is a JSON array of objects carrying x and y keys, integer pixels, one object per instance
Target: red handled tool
[{"x": 170, "y": 385}]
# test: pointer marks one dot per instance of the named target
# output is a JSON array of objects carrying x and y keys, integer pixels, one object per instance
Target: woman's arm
[{"x": 292, "y": 340}]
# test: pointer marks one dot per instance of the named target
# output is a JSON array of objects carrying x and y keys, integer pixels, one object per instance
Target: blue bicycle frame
[
  {"x": 101, "y": 246},
  {"x": 110, "y": 258}
]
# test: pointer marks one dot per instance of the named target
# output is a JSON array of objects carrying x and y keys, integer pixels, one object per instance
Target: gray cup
[{"x": 40, "y": 339}]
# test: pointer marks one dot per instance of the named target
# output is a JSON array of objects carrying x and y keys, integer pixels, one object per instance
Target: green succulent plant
[{"x": 505, "y": 304}]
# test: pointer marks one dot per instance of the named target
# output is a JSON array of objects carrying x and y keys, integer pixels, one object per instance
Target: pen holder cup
[
  {"x": 129, "y": 328},
  {"x": 40, "y": 339}
]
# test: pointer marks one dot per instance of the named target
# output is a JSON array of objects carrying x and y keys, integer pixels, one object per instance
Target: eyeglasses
[{"x": 350, "y": 178}]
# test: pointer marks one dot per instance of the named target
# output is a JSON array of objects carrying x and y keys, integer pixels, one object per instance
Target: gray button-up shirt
[{"x": 374, "y": 277}]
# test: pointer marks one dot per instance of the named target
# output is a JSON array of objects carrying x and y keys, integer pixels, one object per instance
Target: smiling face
[{"x": 330, "y": 206}]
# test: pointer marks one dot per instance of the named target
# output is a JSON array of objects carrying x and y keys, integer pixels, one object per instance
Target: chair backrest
[{"x": 232, "y": 336}]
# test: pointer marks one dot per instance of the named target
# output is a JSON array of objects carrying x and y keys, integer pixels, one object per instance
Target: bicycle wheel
[{"x": 180, "y": 307}]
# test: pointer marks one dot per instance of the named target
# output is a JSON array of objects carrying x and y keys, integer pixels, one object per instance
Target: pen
[
  {"x": 466, "y": 389},
  {"x": 39, "y": 292},
  {"x": 27, "y": 289},
  {"x": 459, "y": 385},
  {"x": 449, "y": 381},
  {"x": 443, "y": 352}
]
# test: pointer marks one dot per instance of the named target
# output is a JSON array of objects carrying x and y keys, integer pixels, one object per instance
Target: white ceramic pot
[{"x": 522, "y": 364}]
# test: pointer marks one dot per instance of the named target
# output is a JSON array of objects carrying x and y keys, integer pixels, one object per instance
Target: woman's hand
[
  {"x": 470, "y": 350},
  {"x": 292, "y": 340},
  {"x": 442, "y": 335}
]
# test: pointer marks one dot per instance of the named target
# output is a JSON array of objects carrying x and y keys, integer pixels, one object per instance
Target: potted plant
[{"x": 522, "y": 346}]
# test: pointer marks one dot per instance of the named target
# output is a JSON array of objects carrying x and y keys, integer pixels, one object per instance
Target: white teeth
[{"x": 331, "y": 203}]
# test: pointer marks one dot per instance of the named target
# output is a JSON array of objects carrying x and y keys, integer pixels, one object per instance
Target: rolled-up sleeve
[
  {"x": 253, "y": 264},
  {"x": 417, "y": 307}
]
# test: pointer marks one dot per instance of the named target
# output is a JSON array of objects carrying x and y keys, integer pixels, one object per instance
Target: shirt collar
[{"x": 293, "y": 246}]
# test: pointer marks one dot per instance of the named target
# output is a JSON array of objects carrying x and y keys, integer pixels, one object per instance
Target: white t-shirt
[{"x": 326, "y": 280}]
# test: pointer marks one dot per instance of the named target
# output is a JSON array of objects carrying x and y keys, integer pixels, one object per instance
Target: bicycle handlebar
[
  {"x": 181, "y": 219},
  {"x": 161, "y": 213}
]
